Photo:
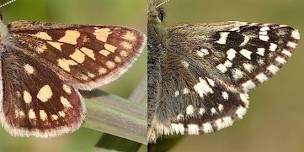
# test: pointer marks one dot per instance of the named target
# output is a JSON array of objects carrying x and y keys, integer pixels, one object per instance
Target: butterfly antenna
[
  {"x": 7, "y": 3},
  {"x": 164, "y": 2}
]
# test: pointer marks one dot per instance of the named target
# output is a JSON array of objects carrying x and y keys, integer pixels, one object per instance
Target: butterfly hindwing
[
  {"x": 85, "y": 56},
  {"x": 36, "y": 101}
]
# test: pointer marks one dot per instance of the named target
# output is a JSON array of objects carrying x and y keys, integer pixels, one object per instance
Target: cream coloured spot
[
  {"x": 91, "y": 75},
  {"x": 19, "y": 113},
  {"x": 102, "y": 71},
  {"x": 84, "y": 77},
  {"x": 43, "y": 115},
  {"x": 29, "y": 69},
  {"x": 110, "y": 47},
  {"x": 67, "y": 89},
  {"x": 130, "y": 36},
  {"x": 55, "y": 45},
  {"x": 264, "y": 28},
  {"x": 104, "y": 52},
  {"x": 65, "y": 64},
  {"x": 65, "y": 102},
  {"x": 27, "y": 97},
  {"x": 117, "y": 59},
  {"x": 88, "y": 52},
  {"x": 110, "y": 64},
  {"x": 126, "y": 45},
  {"x": 78, "y": 56},
  {"x": 123, "y": 53},
  {"x": 102, "y": 34},
  {"x": 71, "y": 37},
  {"x": 42, "y": 35},
  {"x": 45, "y": 93},
  {"x": 61, "y": 114},
  {"x": 31, "y": 114},
  {"x": 54, "y": 117}
]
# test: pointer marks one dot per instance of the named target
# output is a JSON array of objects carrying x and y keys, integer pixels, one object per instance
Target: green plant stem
[{"x": 114, "y": 115}]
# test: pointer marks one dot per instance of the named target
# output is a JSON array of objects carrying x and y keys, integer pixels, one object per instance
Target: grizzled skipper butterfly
[{"x": 199, "y": 75}]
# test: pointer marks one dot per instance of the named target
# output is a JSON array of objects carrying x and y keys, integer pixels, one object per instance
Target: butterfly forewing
[
  {"x": 204, "y": 71},
  {"x": 43, "y": 65},
  {"x": 87, "y": 56}
]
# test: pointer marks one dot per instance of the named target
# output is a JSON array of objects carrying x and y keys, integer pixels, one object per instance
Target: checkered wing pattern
[{"x": 207, "y": 70}]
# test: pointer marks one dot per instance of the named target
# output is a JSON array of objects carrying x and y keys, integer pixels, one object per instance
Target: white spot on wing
[
  {"x": 224, "y": 123},
  {"x": 223, "y": 38},
  {"x": 237, "y": 73},
  {"x": 176, "y": 93},
  {"x": 261, "y": 77},
  {"x": 202, "y": 52},
  {"x": 201, "y": 111},
  {"x": 280, "y": 60},
  {"x": 248, "y": 67},
  {"x": 292, "y": 44},
  {"x": 231, "y": 54},
  {"x": 193, "y": 129},
  {"x": 225, "y": 95},
  {"x": 222, "y": 68},
  {"x": 248, "y": 85},
  {"x": 261, "y": 51},
  {"x": 273, "y": 47},
  {"x": 207, "y": 127},
  {"x": 240, "y": 112},
  {"x": 273, "y": 69},
  {"x": 202, "y": 88},
  {"x": 246, "y": 40},
  {"x": 295, "y": 34},
  {"x": 246, "y": 53},
  {"x": 178, "y": 128},
  {"x": 189, "y": 110}
]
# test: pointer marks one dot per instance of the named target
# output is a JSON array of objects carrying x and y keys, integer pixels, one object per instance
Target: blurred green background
[
  {"x": 274, "y": 122},
  {"x": 130, "y": 13}
]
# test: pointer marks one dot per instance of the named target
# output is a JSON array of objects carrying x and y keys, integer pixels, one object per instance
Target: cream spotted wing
[
  {"x": 84, "y": 56},
  {"x": 207, "y": 70},
  {"x": 36, "y": 102}
]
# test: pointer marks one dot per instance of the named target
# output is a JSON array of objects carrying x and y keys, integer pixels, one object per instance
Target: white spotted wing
[{"x": 207, "y": 70}]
